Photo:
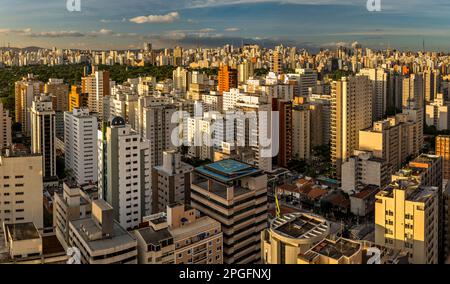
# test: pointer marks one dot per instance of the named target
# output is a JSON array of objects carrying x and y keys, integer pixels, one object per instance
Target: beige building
[
  {"x": 180, "y": 236},
  {"x": 363, "y": 169},
  {"x": 171, "y": 182},
  {"x": 59, "y": 93},
  {"x": 21, "y": 198},
  {"x": 291, "y": 235},
  {"x": 5, "y": 128},
  {"x": 73, "y": 203},
  {"x": 25, "y": 91},
  {"x": 406, "y": 218},
  {"x": 235, "y": 194},
  {"x": 437, "y": 113},
  {"x": 301, "y": 132},
  {"x": 25, "y": 244},
  {"x": 351, "y": 111},
  {"x": 379, "y": 79},
  {"x": 413, "y": 92},
  {"x": 100, "y": 239}
]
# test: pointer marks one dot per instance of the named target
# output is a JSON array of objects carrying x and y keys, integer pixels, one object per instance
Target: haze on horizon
[{"x": 116, "y": 24}]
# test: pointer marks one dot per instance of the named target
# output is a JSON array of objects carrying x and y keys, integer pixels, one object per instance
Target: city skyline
[{"x": 209, "y": 23}]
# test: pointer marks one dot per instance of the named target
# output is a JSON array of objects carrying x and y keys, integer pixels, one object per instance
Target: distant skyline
[{"x": 118, "y": 24}]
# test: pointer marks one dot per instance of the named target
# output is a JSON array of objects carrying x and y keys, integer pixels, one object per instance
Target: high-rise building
[
  {"x": 181, "y": 79},
  {"x": 25, "y": 91},
  {"x": 180, "y": 236},
  {"x": 219, "y": 190},
  {"x": 301, "y": 132},
  {"x": 255, "y": 133},
  {"x": 5, "y": 128},
  {"x": 158, "y": 128},
  {"x": 97, "y": 86},
  {"x": 413, "y": 91},
  {"x": 389, "y": 140},
  {"x": 438, "y": 113},
  {"x": 245, "y": 70},
  {"x": 379, "y": 79},
  {"x": 21, "y": 200},
  {"x": 307, "y": 79},
  {"x": 277, "y": 62},
  {"x": 431, "y": 82},
  {"x": 227, "y": 79},
  {"x": 124, "y": 173},
  {"x": 427, "y": 170},
  {"x": 406, "y": 218},
  {"x": 80, "y": 147},
  {"x": 43, "y": 133},
  {"x": 351, "y": 111},
  {"x": 171, "y": 182},
  {"x": 100, "y": 239},
  {"x": 290, "y": 236},
  {"x": 443, "y": 150},
  {"x": 59, "y": 93},
  {"x": 77, "y": 99},
  {"x": 285, "y": 131},
  {"x": 178, "y": 56}
]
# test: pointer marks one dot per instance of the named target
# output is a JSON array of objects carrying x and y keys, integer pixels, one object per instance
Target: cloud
[
  {"x": 56, "y": 34},
  {"x": 167, "y": 18},
  {"x": 231, "y": 30}
]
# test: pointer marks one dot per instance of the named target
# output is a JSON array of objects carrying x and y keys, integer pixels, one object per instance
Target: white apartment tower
[
  {"x": 80, "y": 146},
  {"x": 124, "y": 173}
]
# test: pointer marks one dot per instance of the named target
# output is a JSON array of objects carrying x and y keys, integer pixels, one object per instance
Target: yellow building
[
  {"x": 406, "y": 218},
  {"x": 77, "y": 99},
  {"x": 291, "y": 235}
]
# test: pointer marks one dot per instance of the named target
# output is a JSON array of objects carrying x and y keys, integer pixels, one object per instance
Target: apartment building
[
  {"x": 80, "y": 145},
  {"x": 171, "y": 182},
  {"x": 25, "y": 91},
  {"x": 43, "y": 134},
  {"x": 21, "y": 198},
  {"x": 351, "y": 111},
  {"x": 124, "y": 173},
  {"x": 407, "y": 218},
  {"x": 5, "y": 128},
  {"x": 100, "y": 239},
  {"x": 235, "y": 194},
  {"x": 180, "y": 236}
]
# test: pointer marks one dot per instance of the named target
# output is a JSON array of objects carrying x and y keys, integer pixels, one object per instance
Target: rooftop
[
  {"x": 335, "y": 250},
  {"x": 153, "y": 237},
  {"x": 227, "y": 170},
  {"x": 300, "y": 226},
  {"x": 119, "y": 236},
  {"x": 23, "y": 231}
]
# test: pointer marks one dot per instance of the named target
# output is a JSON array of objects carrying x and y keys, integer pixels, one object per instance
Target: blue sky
[{"x": 313, "y": 24}]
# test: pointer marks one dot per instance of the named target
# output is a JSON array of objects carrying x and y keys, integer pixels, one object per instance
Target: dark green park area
[{"x": 72, "y": 75}]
